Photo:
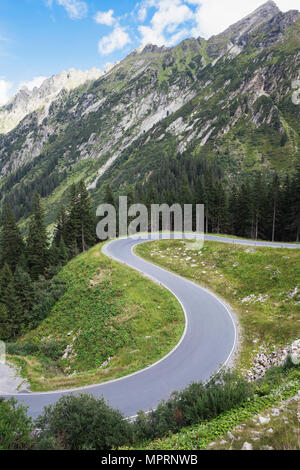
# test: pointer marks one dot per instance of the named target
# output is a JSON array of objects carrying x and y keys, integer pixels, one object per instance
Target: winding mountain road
[{"x": 208, "y": 342}]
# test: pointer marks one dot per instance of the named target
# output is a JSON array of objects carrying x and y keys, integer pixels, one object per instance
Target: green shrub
[
  {"x": 46, "y": 294},
  {"x": 21, "y": 349},
  {"x": 51, "y": 349},
  {"x": 196, "y": 403},
  {"x": 15, "y": 426},
  {"x": 83, "y": 423},
  {"x": 54, "y": 350}
]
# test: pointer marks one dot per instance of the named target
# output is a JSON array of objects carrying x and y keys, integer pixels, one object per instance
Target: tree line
[
  {"x": 28, "y": 287},
  {"x": 259, "y": 205}
]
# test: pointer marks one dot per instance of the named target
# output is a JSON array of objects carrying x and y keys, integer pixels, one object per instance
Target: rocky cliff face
[
  {"x": 228, "y": 98},
  {"x": 26, "y": 101}
]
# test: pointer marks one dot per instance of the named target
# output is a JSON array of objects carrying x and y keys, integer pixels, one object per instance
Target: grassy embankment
[
  {"x": 280, "y": 430},
  {"x": 107, "y": 311},
  {"x": 260, "y": 284},
  {"x": 232, "y": 429}
]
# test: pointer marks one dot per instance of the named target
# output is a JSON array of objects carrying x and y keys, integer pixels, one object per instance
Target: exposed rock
[
  {"x": 264, "y": 419},
  {"x": 106, "y": 363},
  {"x": 247, "y": 446},
  {"x": 263, "y": 362},
  {"x": 26, "y": 101}
]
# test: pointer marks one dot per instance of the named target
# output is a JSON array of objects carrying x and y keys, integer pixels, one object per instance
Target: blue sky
[{"x": 39, "y": 38}]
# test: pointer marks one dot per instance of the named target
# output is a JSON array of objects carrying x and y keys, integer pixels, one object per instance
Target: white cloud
[
  {"x": 173, "y": 40},
  {"x": 105, "y": 17},
  {"x": 5, "y": 88},
  {"x": 286, "y": 5},
  {"x": 142, "y": 14},
  {"x": 214, "y": 16},
  {"x": 169, "y": 15},
  {"x": 35, "y": 82},
  {"x": 116, "y": 40},
  {"x": 76, "y": 9},
  {"x": 108, "y": 66}
]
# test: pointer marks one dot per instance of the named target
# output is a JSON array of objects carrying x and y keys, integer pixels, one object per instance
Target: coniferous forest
[
  {"x": 28, "y": 265},
  {"x": 262, "y": 206},
  {"x": 257, "y": 205}
]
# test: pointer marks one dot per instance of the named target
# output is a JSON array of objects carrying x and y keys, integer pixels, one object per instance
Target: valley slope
[{"x": 228, "y": 98}]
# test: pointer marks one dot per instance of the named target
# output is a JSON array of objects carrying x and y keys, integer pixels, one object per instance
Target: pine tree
[
  {"x": 73, "y": 222},
  {"x": 62, "y": 253},
  {"x": 275, "y": 201},
  {"x": 5, "y": 326},
  {"x": 60, "y": 227},
  {"x": 25, "y": 294},
  {"x": 219, "y": 208},
  {"x": 296, "y": 203},
  {"x": 10, "y": 300},
  {"x": 37, "y": 242},
  {"x": 244, "y": 211},
  {"x": 87, "y": 235},
  {"x": 11, "y": 241}
]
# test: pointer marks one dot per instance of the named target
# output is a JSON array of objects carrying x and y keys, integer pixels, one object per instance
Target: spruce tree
[
  {"x": 5, "y": 326},
  {"x": 62, "y": 253},
  {"x": 60, "y": 227},
  {"x": 73, "y": 222},
  {"x": 296, "y": 203},
  {"x": 37, "y": 246},
  {"x": 11, "y": 241},
  {"x": 87, "y": 220},
  {"x": 10, "y": 300},
  {"x": 25, "y": 294}
]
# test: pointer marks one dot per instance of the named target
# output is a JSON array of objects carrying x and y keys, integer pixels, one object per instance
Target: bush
[
  {"x": 15, "y": 426},
  {"x": 51, "y": 349},
  {"x": 46, "y": 294},
  {"x": 82, "y": 423},
  {"x": 21, "y": 349},
  {"x": 196, "y": 403}
]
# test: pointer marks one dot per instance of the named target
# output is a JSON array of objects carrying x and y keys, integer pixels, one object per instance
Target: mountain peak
[
  {"x": 269, "y": 4},
  {"x": 147, "y": 49},
  {"x": 261, "y": 15},
  {"x": 26, "y": 101}
]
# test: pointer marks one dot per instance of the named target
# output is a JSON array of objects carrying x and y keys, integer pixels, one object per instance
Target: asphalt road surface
[{"x": 208, "y": 342}]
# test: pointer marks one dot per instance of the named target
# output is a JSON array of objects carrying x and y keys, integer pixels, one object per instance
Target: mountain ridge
[
  {"x": 230, "y": 101},
  {"x": 26, "y": 101}
]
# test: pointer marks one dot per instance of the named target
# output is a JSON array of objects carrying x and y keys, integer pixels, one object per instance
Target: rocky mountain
[
  {"x": 26, "y": 101},
  {"x": 228, "y": 98}
]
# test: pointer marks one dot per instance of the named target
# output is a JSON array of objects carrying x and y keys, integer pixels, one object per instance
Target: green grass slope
[
  {"x": 110, "y": 322},
  {"x": 260, "y": 284}
]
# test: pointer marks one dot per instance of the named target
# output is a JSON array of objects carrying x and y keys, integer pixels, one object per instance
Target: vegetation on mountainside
[
  {"x": 259, "y": 206},
  {"x": 211, "y": 409},
  {"x": 269, "y": 393},
  {"x": 28, "y": 287},
  {"x": 109, "y": 322},
  {"x": 281, "y": 430},
  {"x": 15, "y": 426},
  {"x": 262, "y": 285},
  {"x": 247, "y": 132}
]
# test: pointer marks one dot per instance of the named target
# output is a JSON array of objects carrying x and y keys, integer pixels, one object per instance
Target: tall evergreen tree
[
  {"x": 296, "y": 203},
  {"x": 11, "y": 302},
  {"x": 11, "y": 241},
  {"x": 60, "y": 227},
  {"x": 25, "y": 294},
  {"x": 87, "y": 219},
  {"x": 37, "y": 246},
  {"x": 5, "y": 326}
]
